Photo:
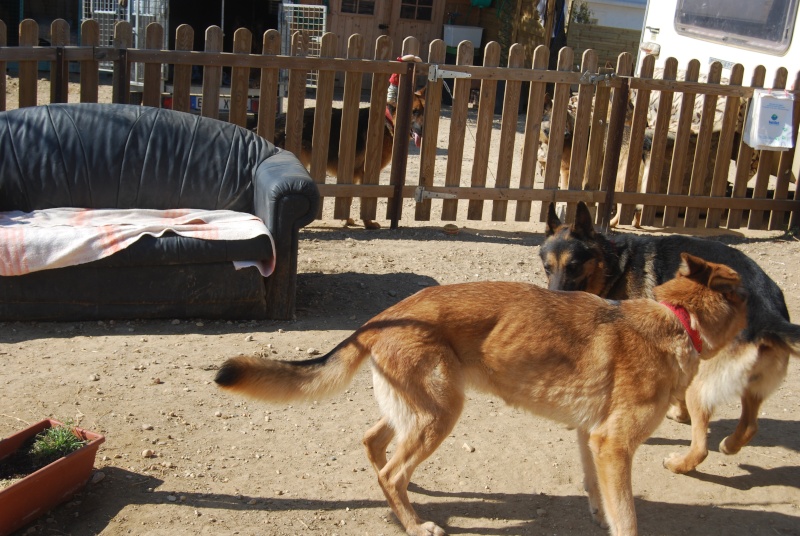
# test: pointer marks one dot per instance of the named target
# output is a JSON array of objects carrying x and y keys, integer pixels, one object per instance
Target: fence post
[
  {"x": 397, "y": 178},
  {"x": 59, "y": 74},
  {"x": 121, "y": 81},
  {"x": 615, "y": 132}
]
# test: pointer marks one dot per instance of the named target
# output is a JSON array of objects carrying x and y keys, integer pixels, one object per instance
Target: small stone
[
  {"x": 148, "y": 453},
  {"x": 252, "y": 502},
  {"x": 98, "y": 476},
  {"x": 312, "y": 351},
  {"x": 147, "y": 427},
  {"x": 94, "y": 377},
  {"x": 541, "y": 512},
  {"x": 217, "y": 414},
  {"x": 249, "y": 338},
  {"x": 176, "y": 322},
  {"x": 468, "y": 447},
  {"x": 172, "y": 498}
]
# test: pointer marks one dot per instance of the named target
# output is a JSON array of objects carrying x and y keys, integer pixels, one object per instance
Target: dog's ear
[
  {"x": 583, "y": 225},
  {"x": 421, "y": 92},
  {"x": 553, "y": 223},
  {"x": 717, "y": 277}
]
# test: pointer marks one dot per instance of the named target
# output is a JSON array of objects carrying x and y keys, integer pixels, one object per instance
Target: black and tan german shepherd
[
  {"x": 417, "y": 123},
  {"x": 575, "y": 257}
]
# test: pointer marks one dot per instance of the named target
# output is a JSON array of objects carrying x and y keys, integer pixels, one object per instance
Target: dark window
[
  {"x": 360, "y": 7},
  {"x": 416, "y": 9},
  {"x": 765, "y": 26}
]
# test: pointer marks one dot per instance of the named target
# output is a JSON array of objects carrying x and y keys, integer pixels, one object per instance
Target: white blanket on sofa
[{"x": 59, "y": 237}]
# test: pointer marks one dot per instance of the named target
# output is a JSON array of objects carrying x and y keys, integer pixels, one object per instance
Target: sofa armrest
[{"x": 286, "y": 199}]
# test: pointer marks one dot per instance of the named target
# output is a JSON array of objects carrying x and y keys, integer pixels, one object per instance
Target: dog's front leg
[
  {"x": 698, "y": 451},
  {"x": 590, "y": 480},
  {"x": 613, "y": 460}
]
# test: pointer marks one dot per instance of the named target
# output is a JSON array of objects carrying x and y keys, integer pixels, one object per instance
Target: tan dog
[
  {"x": 417, "y": 122},
  {"x": 610, "y": 373}
]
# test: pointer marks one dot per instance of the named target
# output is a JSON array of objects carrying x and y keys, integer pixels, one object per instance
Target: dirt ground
[{"x": 226, "y": 465}]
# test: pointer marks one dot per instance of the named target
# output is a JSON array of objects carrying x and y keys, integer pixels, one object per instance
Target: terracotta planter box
[{"x": 24, "y": 501}]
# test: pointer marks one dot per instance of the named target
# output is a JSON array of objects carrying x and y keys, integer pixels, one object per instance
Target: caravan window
[{"x": 766, "y": 25}]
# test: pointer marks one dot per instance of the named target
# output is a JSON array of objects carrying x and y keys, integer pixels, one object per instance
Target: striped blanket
[{"x": 59, "y": 237}]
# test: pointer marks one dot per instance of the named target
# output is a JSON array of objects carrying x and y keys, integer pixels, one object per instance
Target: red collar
[
  {"x": 389, "y": 116},
  {"x": 683, "y": 316}
]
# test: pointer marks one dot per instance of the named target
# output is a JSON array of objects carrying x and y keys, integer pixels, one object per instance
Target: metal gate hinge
[
  {"x": 421, "y": 193},
  {"x": 589, "y": 78},
  {"x": 435, "y": 73}
]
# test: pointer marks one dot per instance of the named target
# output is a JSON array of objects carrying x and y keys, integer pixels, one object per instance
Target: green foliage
[
  {"x": 581, "y": 13},
  {"x": 55, "y": 442}
]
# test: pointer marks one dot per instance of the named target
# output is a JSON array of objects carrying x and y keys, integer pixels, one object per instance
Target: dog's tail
[
  {"x": 281, "y": 381},
  {"x": 784, "y": 333}
]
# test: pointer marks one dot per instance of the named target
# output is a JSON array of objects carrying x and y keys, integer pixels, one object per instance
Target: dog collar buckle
[{"x": 683, "y": 317}]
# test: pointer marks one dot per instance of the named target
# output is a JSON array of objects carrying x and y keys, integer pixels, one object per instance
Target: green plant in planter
[
  {"x": 46, "y": 447},
  {"x": 53, "y": 443}
]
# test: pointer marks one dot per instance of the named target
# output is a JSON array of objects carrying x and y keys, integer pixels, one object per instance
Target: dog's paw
[
  {"x": 729, "y": 446},
  {"x": 349, "y": 222},
  {"x": 371, "y": 224},
  {"x": 598, "y": 516},
  {"x": 429, "y": 528},
  {"x": 678, "y": 464},
  {"x": 679, "y": 414}
]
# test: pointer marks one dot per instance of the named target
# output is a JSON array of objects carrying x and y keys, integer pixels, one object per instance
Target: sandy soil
[{"x": 225, "y": 465}]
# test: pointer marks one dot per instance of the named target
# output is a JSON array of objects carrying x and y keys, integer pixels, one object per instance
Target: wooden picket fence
[{"x": 682, "y": 181}]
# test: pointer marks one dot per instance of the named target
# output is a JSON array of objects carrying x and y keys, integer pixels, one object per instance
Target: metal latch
[
  {"x": 421, "y": 193},
  {"x": 591, "y": 78},
  {"x": 435, "y": 73}
]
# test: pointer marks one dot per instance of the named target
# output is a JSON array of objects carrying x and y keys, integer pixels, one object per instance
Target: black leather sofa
[{"x": 124, "y": 156}]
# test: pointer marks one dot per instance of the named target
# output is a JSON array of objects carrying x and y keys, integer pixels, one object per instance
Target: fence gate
[
  {"x": 139, "y": 13},
  {"x": 310, "y": 19}
]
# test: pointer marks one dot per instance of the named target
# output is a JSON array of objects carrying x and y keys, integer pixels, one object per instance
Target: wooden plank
[
  {"x": 240, "y": 79},
  {"x": 405, "y": 90},
  {"x": 597, "y": 136},
  {"x": 765, "y": 164},
  {"x": 655, "y": 165},
  {"x": 483, "y": 132},
  {"x": 743, "y": 160},
  {"x": 580, "y": 134},
  {"x": 616, "y": 126},
  {"x": 59, "y": 69},
  {"x": 268, "y": 88},
  {"x": 295, "y": 102},
  {"x": 433, "y": 107},
  {"x": 28, "y": 70},
  {"x": 555, "y": 195},
  {"x": 558, "y": 121},
  {"x": 681, "y": 146},
  {"x": 508, "y": 131},
  {"x": 777, "y": 219},
  {"x": 3, "y": 41},
  {"x": 322, "y": 115},
  {"x": 458, "y": 129},
  {"x": 630, "y": 180},
  {"x": 377, "y": 127},
  {"x": 90, "y": 69},
  {"x": 212, "y": 75},
  {"x": 702, "y": 151},
  {"x": 182, "y": 74},
  {"x": 121, "y": 79},
  {"x": 533, "y": 125},
  {"x": 719, "y": 183},
  {"x": 151, "y": 89},
  {"x": 349, "y": 127}
]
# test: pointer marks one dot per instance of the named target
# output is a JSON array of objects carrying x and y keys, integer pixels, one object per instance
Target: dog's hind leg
[
  {"x": 422, "y": 412},
  {"x": 765, "y": 376},
  {"x": 376, "y": 440}
]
